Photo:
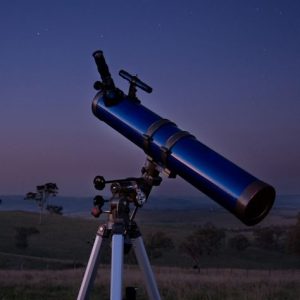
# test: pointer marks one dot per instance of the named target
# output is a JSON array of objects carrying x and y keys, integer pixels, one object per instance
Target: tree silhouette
[
  {"x": 206, "y": 240},
  {"x": 294, "y": 237},
  {"x": 42, "y": 194},
  {"x": 157, "y": 242},
  {"x": 239, "y": 242},
  {"x": 268, "y": 237}
]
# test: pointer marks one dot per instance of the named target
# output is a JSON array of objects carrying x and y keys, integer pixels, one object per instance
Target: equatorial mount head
[{"x": 134, "y": 190}]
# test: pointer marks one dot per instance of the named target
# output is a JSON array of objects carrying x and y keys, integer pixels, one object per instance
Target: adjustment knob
[
  {"x": 98, "y": 201},
  {"x": 99, "y": 183}
]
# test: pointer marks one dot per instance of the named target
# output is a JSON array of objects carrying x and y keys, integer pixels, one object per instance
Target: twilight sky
[{"x": 227, "y": 71}]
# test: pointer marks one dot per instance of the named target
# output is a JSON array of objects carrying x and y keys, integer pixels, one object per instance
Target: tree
[
  {"x": 239, "y": 242},
  {"x": 157, "y": 242},
  {"x": 206, "y": 240},
  {"x": 268, "y": 237},
  {"x": 294, "y": 237},
  {"x": 43, "y": 192}
]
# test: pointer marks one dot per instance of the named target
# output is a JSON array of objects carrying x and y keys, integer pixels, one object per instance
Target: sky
[{"x": 227, "y": 71}]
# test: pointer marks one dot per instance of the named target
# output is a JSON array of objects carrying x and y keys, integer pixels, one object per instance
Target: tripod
[{"x": 123, "y": 232}]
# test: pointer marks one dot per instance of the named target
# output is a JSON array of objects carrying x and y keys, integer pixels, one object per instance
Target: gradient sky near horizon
[{"x": 227, "y": 71}]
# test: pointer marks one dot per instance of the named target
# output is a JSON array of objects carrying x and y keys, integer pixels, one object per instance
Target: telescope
[
  {"x": 168, "y": 149},
  {"x": 177, "y": 151}
]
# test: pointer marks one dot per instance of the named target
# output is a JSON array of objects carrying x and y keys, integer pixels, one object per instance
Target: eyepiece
[{"x": 103, "y": 69}]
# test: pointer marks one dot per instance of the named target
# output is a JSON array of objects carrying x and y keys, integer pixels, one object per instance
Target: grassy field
[
  {"x": 59, "y": 237},
  {"x": 52, "y": 265},
  {"x": 63, "y": 242},
  {"x": 174, "y": 283}
]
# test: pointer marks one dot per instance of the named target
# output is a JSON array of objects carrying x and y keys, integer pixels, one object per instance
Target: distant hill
[
  {"x": 287, "y": 202},
  {"x": 82, "y": 205}
]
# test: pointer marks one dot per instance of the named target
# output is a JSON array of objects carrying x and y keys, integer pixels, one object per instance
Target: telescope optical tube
[{"x": 247, "y": 197}]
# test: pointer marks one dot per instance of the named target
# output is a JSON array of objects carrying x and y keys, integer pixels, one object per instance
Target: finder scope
[
  {"x": 135, "y": 81},
  {"x": 178, "y": 151}
]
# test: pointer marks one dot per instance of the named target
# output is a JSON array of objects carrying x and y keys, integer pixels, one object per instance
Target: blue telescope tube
[{"x": 247, "y": 197}]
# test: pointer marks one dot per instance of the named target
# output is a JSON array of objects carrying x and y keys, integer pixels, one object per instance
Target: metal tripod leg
[
  {"x": 91, "y": 269},
  {"x": 143, "y": 261},
  {"x": 117, "y": 267}
]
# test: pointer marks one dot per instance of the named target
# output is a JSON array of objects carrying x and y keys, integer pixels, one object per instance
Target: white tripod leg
[
  {"x": 143, "y": 261},
  {"x": 117, "y": 267},
  {"x": 91, "y": 269}
]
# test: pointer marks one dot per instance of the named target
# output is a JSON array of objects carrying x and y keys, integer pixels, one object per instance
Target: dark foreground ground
[
  {"x": 52, "y": 263},
  {"x": 174, "y": 283}
]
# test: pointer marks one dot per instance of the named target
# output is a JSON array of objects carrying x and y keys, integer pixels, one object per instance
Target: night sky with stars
[{"x": 227, "y": 71}]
